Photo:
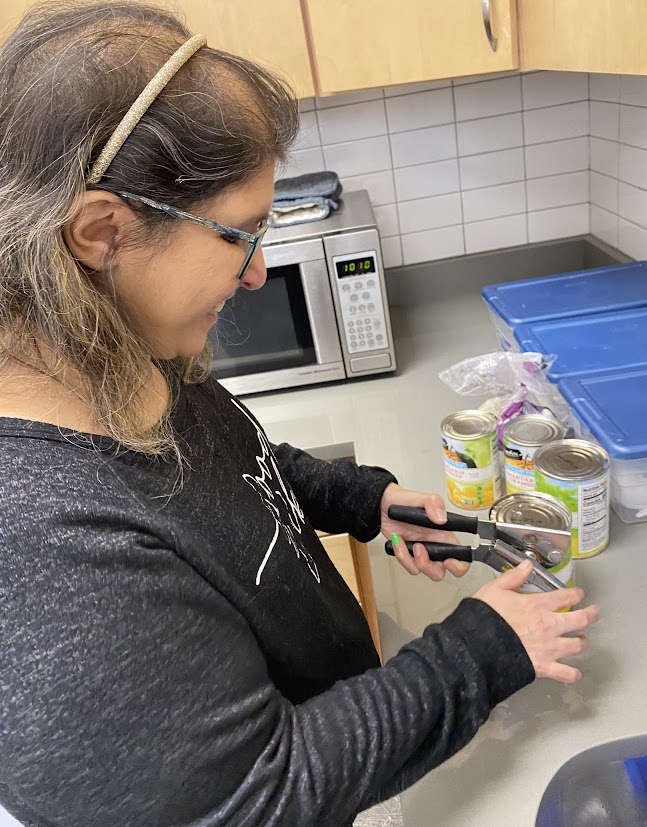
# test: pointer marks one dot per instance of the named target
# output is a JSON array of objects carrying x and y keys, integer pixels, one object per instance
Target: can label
[
  {"x": 472, "y": 470},
  {"x": 519, "y": 466},
  {"x": 589, "y": 504}
]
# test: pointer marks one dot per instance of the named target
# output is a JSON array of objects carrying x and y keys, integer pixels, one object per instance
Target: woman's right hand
[{"x": 541, "y": 627}]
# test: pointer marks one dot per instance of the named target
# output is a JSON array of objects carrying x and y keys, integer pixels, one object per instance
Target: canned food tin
[
  {"x": 471, "y": 450},
  {"x": 540, "y": 511},
  {"x": 521, "y": 438},
  {"x": 577, "y": 473}
]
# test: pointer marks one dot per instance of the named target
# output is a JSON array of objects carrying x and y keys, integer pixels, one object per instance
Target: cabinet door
[
  {"x": 362, "y": 43},
  {"x": 584, "y": 35},
  {"x": 10, "y": 13},
  {"x": 271, "y": 33}
]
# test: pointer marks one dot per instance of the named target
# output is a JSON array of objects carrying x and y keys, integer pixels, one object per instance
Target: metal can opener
[{"x": 502, "y": 545}]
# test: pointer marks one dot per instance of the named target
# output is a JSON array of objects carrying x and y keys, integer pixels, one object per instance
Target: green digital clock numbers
[{"x": 355, "y": 267}]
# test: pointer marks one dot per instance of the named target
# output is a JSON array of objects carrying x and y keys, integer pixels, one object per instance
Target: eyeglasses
[{"x": 250, "y": 241}]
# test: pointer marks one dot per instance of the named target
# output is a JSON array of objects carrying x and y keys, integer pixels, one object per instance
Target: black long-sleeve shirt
[{"x": 193, "y": 659}]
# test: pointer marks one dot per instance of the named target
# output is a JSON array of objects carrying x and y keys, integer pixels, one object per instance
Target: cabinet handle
[{"x": 485, "y": 7}]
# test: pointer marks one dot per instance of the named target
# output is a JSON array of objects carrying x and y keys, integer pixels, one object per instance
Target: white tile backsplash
[
  {"x": 357, "y": 157},
  {"x": 424, "y": 180},
  {"x": 561, "y": 222},
  {"x": 603, "y": 191},
  {"x": 633, "y": 126},
  {"x": 558, "y": 190},
  {"x": 496, "y": 233},
  {"x": 387, "y": 219},
  {"x": 490, "y": 134},
  {"x": 352, "y": 122},
  {"x": 491, "y": 168},
  {"x": 433, "y": 244},
  {"x": 632, "y": 204},
  {"x": 557, "y": 157},
  {"x": 492, "y": 202},
  {"x": 633, "y": 165},
  {"x": 487, "y": 162},
  {"x": 431, "y": 108},
  {"x": 605, "y": 120},
  {"x": 633, "y": 90},
  {"x": 605, "y": 88},
  {"x": 430, "y": 213},
  {"x": 604, "y": 225},
  {"x": 632, "y": 239},
  {"x": 492, "y": 97},
  {"x": 437, "y": 143},
  {"x": 556, "y": 123},
  {"x": 551, "y": 88},
  {"x": 604, "y": 156}
]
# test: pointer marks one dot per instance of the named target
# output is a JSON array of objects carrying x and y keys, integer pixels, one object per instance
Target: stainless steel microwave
[{"x": 322, "y": 315}]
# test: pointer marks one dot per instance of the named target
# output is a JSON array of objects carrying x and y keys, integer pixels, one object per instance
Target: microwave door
[{"x": 283, "y": 335}]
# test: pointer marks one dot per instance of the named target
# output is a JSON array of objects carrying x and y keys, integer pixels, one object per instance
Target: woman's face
[{"x": 174, "y": 295}]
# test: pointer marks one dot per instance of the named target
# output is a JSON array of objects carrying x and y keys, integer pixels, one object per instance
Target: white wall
[
  {"x": 460, "y": 166},
  {"x": 619, "y": 161}
]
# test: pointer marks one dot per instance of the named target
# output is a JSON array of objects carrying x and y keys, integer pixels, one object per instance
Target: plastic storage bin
[
  {"x": 611, "y": 409},
  {"x": 589, "y": 344},
  {"x": 613, "y": 288}
]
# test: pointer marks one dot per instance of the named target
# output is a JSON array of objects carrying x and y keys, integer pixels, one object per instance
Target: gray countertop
[{"x": 393, "y": 421}]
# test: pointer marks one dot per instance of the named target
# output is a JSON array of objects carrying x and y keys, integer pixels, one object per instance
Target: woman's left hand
[{"x": 435, "y": 508}]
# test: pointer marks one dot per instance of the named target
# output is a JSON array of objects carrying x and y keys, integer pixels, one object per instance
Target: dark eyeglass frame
[{"x": 253, "y": 239}]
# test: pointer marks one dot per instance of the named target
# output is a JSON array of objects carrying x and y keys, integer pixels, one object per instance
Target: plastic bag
[{"x": 515, "y": 383}]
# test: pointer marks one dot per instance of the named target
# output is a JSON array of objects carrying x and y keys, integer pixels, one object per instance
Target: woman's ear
[{"x": 97, "y": 222}]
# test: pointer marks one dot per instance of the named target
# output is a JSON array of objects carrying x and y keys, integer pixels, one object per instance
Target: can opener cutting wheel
[{"x": 503, "y": 545}]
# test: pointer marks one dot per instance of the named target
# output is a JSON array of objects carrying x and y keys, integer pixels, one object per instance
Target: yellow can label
[{"x": 472, "y": 471}]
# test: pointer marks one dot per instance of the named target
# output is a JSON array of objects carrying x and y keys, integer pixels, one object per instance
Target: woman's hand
[
  {"x": 435, "y": 509},
  {"x": 539, "y": 623}
]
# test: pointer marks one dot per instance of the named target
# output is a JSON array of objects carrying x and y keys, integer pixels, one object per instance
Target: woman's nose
[{"x": 256, "y": 274}]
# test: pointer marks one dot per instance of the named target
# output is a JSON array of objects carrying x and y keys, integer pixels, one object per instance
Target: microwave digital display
[{"x": 355, "y": 267}]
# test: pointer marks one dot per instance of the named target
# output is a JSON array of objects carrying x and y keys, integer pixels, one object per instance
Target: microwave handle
[{"x": 321, "y": 310}]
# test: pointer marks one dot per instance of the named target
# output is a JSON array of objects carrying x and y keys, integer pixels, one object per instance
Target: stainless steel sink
[{"x": 604, "y": 786}]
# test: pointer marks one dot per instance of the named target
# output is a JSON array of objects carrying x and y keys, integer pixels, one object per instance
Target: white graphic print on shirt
[{"x": 279, "y": 501}]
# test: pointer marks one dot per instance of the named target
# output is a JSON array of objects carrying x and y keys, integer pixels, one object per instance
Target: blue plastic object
[
  {"x": 589, "y": 344},
  {"x": 613, "y": 407},
  {"x": 617, "y": 287}
]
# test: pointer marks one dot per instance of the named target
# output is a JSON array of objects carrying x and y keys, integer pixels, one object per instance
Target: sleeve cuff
[{"x": 494, "y": 646}]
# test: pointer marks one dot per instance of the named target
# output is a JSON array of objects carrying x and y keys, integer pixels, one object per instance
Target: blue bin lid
[
  {"x": 612, "y": 407},
  {"x": 589, "y": 344},
  {"x": 617, "y": 287}
]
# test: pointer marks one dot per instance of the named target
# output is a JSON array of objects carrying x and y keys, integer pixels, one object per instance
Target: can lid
[
  {"x": 468, "y": 425},
  {"x": 532, "y": 508},
  {"x": 571, "y": 459},
  {"x": 533, "y": 429}
]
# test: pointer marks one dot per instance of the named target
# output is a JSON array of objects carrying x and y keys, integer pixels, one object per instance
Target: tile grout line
[
  {"x": 392, "y": 171},
  {"x": 458, "y": 169},
  {"x": 525, "y": 162}
]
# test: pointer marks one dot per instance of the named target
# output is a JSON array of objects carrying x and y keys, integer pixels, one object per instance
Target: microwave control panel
[{"x": 360, "y": 298}]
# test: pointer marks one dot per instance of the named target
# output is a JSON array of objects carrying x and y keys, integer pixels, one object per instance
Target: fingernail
[
  {"x": 394, "y": 540},
  {"x": 440, "y": 517}
]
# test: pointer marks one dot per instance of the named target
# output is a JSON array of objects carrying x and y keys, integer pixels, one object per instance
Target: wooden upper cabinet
[
  {"x": 10, "y": 13},
  {"x": 357, "y": 44},
  {"x": 584, "y": 35},
  {"x": 270, "y": 33}
]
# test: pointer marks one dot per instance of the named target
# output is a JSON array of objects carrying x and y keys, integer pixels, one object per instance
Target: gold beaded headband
[{"x": 140, "y": 106}]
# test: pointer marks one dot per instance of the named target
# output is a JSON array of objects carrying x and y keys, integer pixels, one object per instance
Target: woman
[{"x": 176, "y": 648}]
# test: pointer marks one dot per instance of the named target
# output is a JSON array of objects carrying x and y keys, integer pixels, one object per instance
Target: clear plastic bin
[{"x": 611, "y": 409}]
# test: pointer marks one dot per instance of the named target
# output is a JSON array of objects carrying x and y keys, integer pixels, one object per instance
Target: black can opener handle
[
  {"x": 437, "y": 551},
  {"x": 418, "y": 516}
]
